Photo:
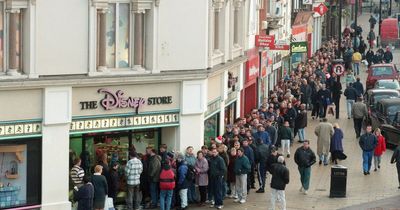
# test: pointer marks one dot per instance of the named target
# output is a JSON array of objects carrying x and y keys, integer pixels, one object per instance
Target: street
[{"x": 360, "y": 189}]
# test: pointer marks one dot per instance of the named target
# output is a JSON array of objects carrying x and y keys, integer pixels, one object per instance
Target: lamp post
[
  {"x": 355, "y": 23},
  {"x": 340, "y": 22},
  {"x": 390, "y": 8}
]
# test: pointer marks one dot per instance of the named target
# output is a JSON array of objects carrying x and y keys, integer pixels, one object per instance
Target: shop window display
[
  {"x": 211, "y": 128},
  {"x": 91, "y": 148},
  {"x": 230, "y": 114},
  {"x": 19, "y": 183}
]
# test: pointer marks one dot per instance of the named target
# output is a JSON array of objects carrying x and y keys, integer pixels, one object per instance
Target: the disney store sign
[{"x": 118, "y": 100}]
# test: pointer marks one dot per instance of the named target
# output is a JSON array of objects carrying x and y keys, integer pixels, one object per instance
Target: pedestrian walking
[
  {"x": 336, "y": 148},
  {"x": 359, "y": 87},
  {"x": 217, "y": 170},
  {"x": 242, "y": 168},
  {"x": 372, "y": 22},
  {"x": 279, "y": 180},
  {"x": 262, "y": 151},
  {"x": 301, "y": 122},
  {"x": 396, "y": 159},
  {"x": 324, "y": 131},
  {"x": 272, "y": 158},
  {"x": 351, "y": 96},
  {"x": 133, "y": 170},
  {"x": 100, "y": 188},
  {"x": 201, "y": 167},
  {"x": 84, "y": 195},
  {"x": 336, "y": 89},
  {"x": 350, "y": 78},
  {"x": 304, "y": 158},
  {"x": 167, "y": 186},
  {"x": 367, "y": 143},
  {"x": 285, "y": 136},
  {"x": 379, "y": 149},
  {"x": 325, "y": 99},
  {"x": 359, "y": 112},
  {"x": 371, "y": 38},
  {"x": 290, "y": 116},
  {"x": 357, "y": 57}
]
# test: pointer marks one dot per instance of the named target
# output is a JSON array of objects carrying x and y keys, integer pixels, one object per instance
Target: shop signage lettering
[
  {"x": 298, "y": 47},
  {"x": 264, "y": 40},
  {"x": 117, "y": 100}
]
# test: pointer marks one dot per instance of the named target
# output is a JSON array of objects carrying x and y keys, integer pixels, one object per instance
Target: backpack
[{"x": 191, "y": 173}]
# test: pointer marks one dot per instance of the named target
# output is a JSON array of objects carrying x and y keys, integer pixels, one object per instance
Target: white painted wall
[
  {"x": 170, "y": 136},
  {"x": 62, "y": 37},
  {"x": 191, "y": 132},
  {"x": 55, "y": 148},
  {"x": 183, "y": 37}
]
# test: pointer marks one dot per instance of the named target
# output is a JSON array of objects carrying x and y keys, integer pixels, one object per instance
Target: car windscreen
[
  {"x": 388, "y": 85},
  {"x": 392, "y": 110},
  {"x": 382, "y": 71},
  {"x": 378, "y": 96}
]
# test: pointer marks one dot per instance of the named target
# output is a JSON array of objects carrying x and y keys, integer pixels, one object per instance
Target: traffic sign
[
  {"x": 338, "y": 69},
  {"x": 321, "y": 9}
]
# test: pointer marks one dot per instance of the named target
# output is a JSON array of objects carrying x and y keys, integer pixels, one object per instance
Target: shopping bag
[{"x": 109, "y": 204}]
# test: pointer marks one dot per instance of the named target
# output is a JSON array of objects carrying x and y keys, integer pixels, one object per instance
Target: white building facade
[{"x": 115, "y": 75}]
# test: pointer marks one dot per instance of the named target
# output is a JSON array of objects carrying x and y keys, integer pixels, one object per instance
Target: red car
[{"x": 381, "y": 71}]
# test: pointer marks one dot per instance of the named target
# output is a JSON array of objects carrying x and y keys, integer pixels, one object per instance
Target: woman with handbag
[{"x": 336, "y": 148}]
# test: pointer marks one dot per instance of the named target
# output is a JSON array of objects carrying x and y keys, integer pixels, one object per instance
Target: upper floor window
[
  {"x": 120, "y": 33},
  {"x": 11, "y": 31}
]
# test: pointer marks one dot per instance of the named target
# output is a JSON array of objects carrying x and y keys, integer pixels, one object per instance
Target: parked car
[
  {"x": 385, "y": 112},
  {"x": 381, "y": 71},
  {"x": 373, "y": 96},
  {"x": 388, "y": 84},
  {"x": 391, "y": 132}
]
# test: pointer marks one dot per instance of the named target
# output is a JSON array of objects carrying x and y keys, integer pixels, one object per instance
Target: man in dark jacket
[
  {"x": 249, "y": 152},
  {"x": 242, "y": 168},
  {"x": 217, "y": 170},
  {"x": 388, "y": 56},
  {"x": 85, "y": 194},
  {"x": 359, "y": 87},
  {"x": 262, "y": 134},
  {"x": 396, "y": 159},
  {"x": 280, "y": 178},
  {"x": 351, "y": 96},
  {"x": 272, "y": 132},
  {"x": 306, "y": 91},
  {"x": 301, "y": 122},
  {"x": 370, "y": 57},
  {"x": 336, "y": 89},
  {"x": 154, "y": 176},
  {"x": 324, "y": 98},
  {"x": 262, "y": 153},
  {"x": 305, "y": 158},
  {"x": 290, "y": 116},
  {"x": 367, "y": 143},
  {"x": 272, "y": 159},
  {"x": 285, "y": 136},
  {"x": 182, "y": 182}
]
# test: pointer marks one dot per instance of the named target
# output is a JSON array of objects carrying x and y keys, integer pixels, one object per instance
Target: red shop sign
[
  {"x": 279, "y": 47},
  {"x": 252, "y": 65},
  {"x": 264, "y": 40}
]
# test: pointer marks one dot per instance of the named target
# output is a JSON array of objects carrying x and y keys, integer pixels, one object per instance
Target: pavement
[{"x": 376, "y": 191}]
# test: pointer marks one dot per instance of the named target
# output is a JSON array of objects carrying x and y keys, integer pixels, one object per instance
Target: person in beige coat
[{"x": 324, "y": 131}]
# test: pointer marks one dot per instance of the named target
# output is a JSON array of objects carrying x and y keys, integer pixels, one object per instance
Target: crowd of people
[{"x": 248, "y": 150}]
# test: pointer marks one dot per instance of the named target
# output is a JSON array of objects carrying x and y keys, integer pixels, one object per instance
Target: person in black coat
[
  {"x": 387, "y": 55},
  {"x": 290, "y": 116},
  {"x": 306, "y": 92},
  {"x": 359, "y": 87},
  {"x": 301, "y": 122},
  {"x": 336, "y": 89},
  {"x": 113, "y": 185},
  {"x": 370, "y": 57},
  {"x": 272, "y": 159},
  {"x": 280, "y": 178},
  {"x": 324, "y": 99},
  {"x": 85, "y": 194}
]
